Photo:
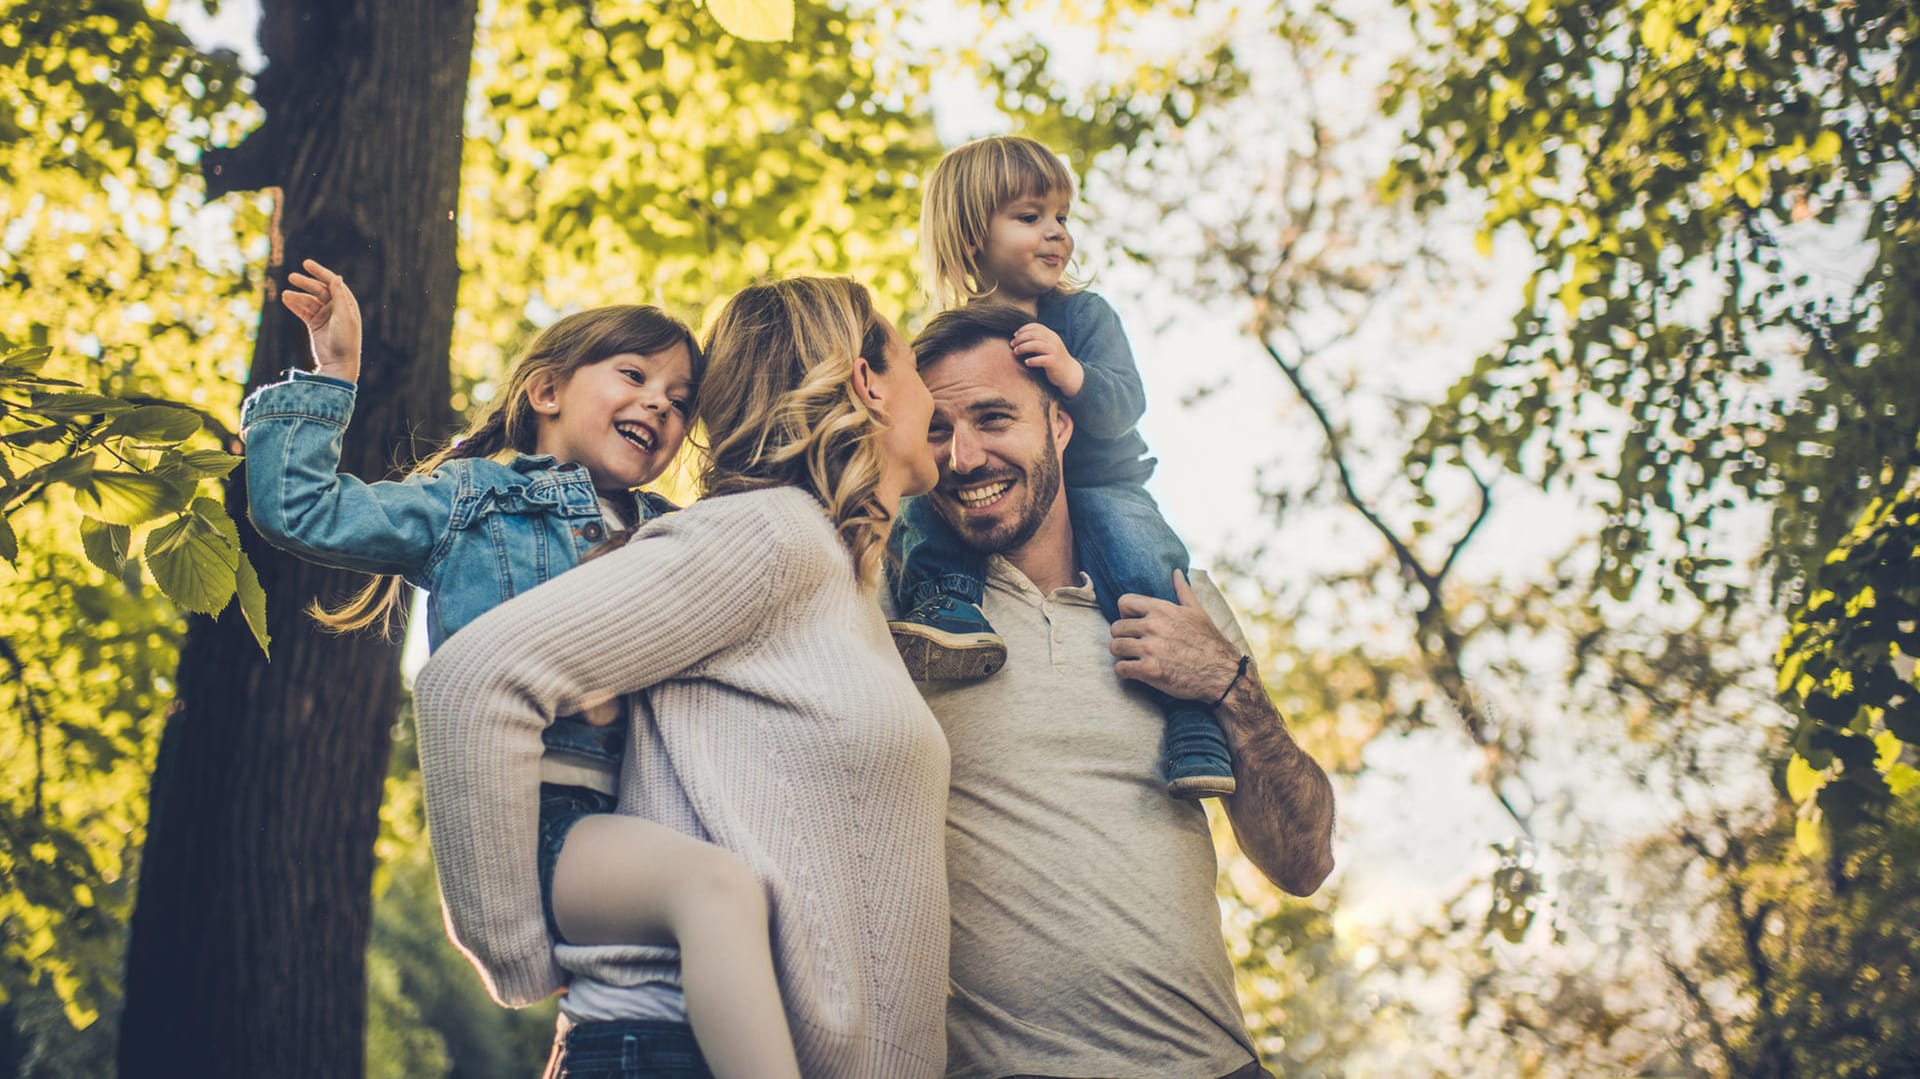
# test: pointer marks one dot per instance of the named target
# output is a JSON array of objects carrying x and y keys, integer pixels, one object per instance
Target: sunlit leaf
[
  {"x": 754, "y": 20},
  {"x": 155, "y": 423},
  {"x": 106, "y": 545},
  {"x": 253, "y": 601},
  {"x": 195, "y": 557},
  {"x": 125, "y": 498},
  {"x": 69, "y": 405},
  {"x": 1802, "y": 780}
]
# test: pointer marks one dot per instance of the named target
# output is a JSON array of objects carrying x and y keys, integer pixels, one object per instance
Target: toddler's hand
[
  {"x": 1037, "y": 346},
  {"x": 323, "y": 301}
]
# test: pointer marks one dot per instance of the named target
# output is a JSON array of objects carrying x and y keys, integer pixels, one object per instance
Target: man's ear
[
  {"x": 543, "y": 392},
  {"x": 1062, "y": 424}
]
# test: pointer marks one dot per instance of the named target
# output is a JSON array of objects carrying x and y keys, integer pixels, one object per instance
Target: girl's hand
[
  {"x": 1037, "y": 346},
  {"x": 323, "y": 301}
]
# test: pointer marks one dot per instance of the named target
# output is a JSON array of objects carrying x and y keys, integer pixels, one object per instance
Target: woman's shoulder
[{"x": 783, "y": 522}]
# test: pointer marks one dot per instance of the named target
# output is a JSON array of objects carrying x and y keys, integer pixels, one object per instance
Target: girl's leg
[{"x": 623, "y": 880}]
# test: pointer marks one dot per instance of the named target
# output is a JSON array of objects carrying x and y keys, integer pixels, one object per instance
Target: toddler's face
[{"x": 1028, "y": 246}]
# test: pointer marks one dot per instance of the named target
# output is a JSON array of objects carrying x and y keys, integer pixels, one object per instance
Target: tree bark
[{"x": 249, "y": 933}]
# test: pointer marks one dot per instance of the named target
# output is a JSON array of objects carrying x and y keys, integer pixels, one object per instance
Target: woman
[{"x": 772, "y": 716}]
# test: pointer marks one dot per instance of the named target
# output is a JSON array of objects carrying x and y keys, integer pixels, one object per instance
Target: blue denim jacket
[{"x": 473, "y": 533}]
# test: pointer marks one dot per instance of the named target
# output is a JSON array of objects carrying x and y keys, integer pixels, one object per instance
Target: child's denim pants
[{"x": 1123, "y": 544}]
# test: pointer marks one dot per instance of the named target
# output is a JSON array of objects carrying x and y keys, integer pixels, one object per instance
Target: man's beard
[{"x": 1042, "y": 476}]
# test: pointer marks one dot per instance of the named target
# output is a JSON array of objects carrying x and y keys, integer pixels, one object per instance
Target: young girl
[
  {"x": 596, "y": 407},
  {"x": 994, "y": 228}
]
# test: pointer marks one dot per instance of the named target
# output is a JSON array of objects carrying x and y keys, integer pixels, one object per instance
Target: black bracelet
[{"x": 1237, "y": 675}]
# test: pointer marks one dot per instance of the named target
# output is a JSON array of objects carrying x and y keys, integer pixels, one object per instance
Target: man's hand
[
  {"x": 1173, "y": 647},
  {"x": 323, "y": 301},
  {"x": 1041, "y": 348}
]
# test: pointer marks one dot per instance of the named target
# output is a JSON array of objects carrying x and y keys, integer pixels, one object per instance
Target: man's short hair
[{"x": 964, "y": 328}]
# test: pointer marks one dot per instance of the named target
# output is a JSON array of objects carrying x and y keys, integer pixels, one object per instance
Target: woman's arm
[{"x": 688, "y": 587}]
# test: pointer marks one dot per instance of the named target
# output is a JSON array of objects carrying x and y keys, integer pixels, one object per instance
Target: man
[{"x": 1086, "y": 936}]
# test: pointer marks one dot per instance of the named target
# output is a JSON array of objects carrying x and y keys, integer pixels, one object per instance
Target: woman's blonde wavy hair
[
  {"x": 779, "y": 407},
  {"x": 965, "y": 189}
]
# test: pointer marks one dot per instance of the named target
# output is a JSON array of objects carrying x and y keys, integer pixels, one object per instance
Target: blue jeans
[
  {"x": 1122, "y": 543},
  {"x": 627, "y": 1049},
  {"x": 561, "y": 807}
]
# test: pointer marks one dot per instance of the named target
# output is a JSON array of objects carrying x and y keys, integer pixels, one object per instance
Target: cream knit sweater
[{"x": 777, "y": 722}]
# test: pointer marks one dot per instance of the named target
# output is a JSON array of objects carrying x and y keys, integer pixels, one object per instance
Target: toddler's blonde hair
[{"x": 964, "y": 190}]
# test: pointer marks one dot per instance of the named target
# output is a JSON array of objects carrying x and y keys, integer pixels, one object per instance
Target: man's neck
[{"x": 1048, "y": 559}]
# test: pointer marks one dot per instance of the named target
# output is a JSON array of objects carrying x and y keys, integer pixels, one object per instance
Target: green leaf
[
  {"x": 27, "y": 361},
  {"x": 156, "y": 423},
  {"x": 253, "y": 602},
  {"x": 9, "y": 543},
  {"x": 69, "y": 405},
  {"x": 35, "y": 436},
  {"x": 107, "y": 546},
  {"x": 1802, "y": 780},
  {"x": 209, "y": 464},
  {"x": 64, "y": 470},
  {"x": 754, "y": 20},
  {"x": 195, "y": 557},
  {"x": 126, "y": 498}
]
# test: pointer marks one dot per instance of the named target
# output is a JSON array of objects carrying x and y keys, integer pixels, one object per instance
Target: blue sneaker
[
  {"x": 948, "y": 639},
  {"x": 1197, "y": 762}
]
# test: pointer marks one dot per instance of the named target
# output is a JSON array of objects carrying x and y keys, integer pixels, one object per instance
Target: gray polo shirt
[{"x": 1086, "y": 933}]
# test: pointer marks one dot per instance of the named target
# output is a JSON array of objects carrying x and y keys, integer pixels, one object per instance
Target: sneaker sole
[
  {"x": 1194, "y": 788},
  {"x": 933, "y": 655}
]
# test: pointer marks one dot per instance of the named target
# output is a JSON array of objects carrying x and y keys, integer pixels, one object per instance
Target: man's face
[{"x": 997, "y": 437}]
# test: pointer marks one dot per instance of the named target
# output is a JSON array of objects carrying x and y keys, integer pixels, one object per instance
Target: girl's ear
[{"x": 543, "y": 392}]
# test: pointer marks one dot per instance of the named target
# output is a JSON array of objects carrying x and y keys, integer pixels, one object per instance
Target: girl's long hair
[
  {"x": 509, "y": 425},
  {"x": 779, "y": 406},
  {"x": 965, "y": 189}
]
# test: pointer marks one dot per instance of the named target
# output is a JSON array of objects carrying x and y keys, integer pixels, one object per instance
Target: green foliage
[
  {"x": 1840, "y": 670},
  {"x": 629, "y": 153},
  {"x": 52, "y": 438},
  {"x": 118, "y": 321},
  {"x": 1660, "y": 156}
]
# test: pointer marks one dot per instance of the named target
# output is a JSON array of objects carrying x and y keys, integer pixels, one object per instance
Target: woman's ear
[
  {"x": 543, "y": 392},
  {"x": 865, "y": 386}
]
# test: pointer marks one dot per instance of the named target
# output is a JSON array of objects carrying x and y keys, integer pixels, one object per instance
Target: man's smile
[{"x": 982, "y": 495}]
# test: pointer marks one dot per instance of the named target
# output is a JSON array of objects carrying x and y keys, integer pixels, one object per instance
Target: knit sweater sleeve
[{"x": 689, "y": 587}]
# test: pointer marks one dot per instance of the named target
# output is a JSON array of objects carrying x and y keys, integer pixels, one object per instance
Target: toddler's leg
[
  {"x": 1126, "y": 546},
  {"x": 623, "y": 880},
  {"x": 940, "y": 631}
]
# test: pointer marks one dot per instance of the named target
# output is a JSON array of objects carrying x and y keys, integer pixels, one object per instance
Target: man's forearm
[{"x": 1282, "y": 813}]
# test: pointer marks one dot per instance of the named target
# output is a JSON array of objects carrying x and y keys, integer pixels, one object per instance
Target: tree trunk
[{"x": 249, "y": 934}]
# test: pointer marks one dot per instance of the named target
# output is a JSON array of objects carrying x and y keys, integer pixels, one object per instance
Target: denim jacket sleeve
[
  {"x": 300, "y": 501},
  {"x": 1112, "y": 400}
]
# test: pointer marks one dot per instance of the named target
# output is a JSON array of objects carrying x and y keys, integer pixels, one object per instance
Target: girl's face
[
  {"x": 623, "y": 417},
  {"x": 1027, "y": 247}
]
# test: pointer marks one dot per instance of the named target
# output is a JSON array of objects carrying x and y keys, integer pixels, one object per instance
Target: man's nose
[{"x": 964, "y": 453}]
